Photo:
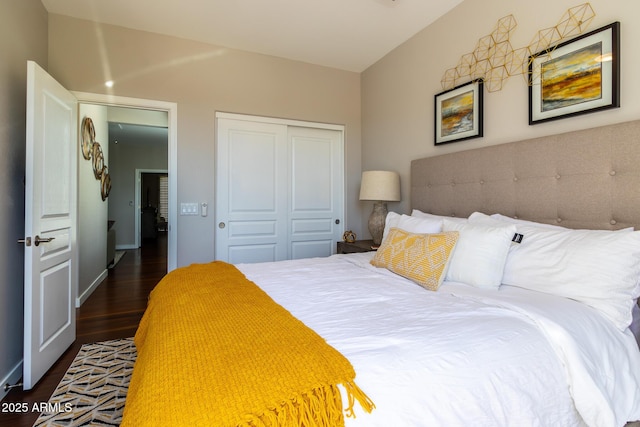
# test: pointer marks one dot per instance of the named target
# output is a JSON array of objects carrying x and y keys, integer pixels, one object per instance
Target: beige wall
[
  {"x": 92, "y": 221},
  {"x": 398, "y": 91},
  {"x": 23, "y": 36},
  {"x": 203, "y": 79}
]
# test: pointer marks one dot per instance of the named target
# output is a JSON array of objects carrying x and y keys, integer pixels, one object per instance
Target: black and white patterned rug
[{"x": 94, "y": 388}]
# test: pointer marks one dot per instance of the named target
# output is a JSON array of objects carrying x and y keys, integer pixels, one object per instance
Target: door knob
[
  {"x": 39, "y": 240},
  {"x": 221, "y": 225}
]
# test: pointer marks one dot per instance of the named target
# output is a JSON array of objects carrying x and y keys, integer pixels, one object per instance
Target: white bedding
[{"x": 461, "y": 356}]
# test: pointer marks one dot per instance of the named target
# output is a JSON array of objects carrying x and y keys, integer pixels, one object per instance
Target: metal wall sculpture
[
  {"x": 494, "y": 59},
  {"x": 91, "y": 150}
]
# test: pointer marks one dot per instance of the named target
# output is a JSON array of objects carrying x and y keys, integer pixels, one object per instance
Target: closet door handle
[{"x": 222, "y": 225}]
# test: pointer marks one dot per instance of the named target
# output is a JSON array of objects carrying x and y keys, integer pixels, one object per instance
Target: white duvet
[{"x": 461, "y": 356}]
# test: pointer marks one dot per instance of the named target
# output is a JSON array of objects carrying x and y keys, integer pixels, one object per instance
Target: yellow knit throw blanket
[{"x": 215, "y": 350}]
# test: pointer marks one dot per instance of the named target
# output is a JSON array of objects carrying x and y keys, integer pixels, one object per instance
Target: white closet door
[
  {"x": 315, "y": 192},
  {"x": 251, "y": 199},
  {"x": 279, "y": 190}
]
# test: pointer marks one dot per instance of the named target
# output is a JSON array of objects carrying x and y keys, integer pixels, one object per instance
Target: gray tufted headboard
[{"x": 583, "y": 179}]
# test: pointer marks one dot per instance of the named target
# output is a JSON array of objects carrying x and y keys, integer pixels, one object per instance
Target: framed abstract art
[
  {"x": 458, "y": 113},
  {"x": 576, "y": 77}
]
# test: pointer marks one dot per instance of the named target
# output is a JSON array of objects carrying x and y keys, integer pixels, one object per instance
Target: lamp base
[{"x": 377, "y": 222}]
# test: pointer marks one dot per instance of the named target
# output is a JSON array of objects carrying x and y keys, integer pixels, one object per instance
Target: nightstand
[{"x": 357, "y": 246}]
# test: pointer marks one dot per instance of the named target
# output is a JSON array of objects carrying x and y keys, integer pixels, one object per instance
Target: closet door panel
[
  {"x": 316, "y": 191},
  {"x": 251, "y": 200}
]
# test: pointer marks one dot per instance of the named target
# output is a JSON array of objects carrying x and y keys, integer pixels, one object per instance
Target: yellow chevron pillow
[{"x": 422, "y": 258}]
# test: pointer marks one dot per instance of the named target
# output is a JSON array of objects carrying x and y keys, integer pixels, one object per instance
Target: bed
[{"x": 505, "y": 297}]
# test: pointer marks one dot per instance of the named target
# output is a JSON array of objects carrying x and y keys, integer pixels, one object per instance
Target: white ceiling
[{"x": 345, "y": 34}]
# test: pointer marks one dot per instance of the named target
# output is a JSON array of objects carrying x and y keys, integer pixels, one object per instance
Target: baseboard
[
  {"x": 12, "y": 378},
  {"x": 86, "y": 294},
  {"x": 126, "y": 247}
]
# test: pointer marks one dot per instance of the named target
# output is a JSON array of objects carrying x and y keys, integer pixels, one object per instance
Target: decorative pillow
[
  {"x": 480, "y": 254},
  {"x": 596, "y": 267},
  {"x": 420, "y": 214},
  {"x": 422, "y": 258}
]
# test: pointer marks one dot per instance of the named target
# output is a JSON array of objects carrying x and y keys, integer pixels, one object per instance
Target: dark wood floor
[{"x": 112, "y": 311}]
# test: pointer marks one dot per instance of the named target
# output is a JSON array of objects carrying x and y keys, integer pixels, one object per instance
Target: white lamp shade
[{"x": 383, "y": 186}]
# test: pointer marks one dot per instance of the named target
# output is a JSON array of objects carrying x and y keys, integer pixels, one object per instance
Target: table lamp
[{"x": 380, "y": 187}]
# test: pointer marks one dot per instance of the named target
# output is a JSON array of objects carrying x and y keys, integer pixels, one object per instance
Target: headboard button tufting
[
  {"x": 612, "y": 173},
  {"x": 613, "y": 222},
  {"x": 558, "y": 220}
]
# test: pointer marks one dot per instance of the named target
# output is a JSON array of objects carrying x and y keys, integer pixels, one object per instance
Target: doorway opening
[
  {"x": 170, "y": 130},
  {"x": 152, "y": 195}
]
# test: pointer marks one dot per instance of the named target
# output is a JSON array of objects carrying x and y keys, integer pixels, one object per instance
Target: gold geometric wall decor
[
  {"x": 494, "y": 78},
  {"x": 494, "y": 60},
  {"x": 576, "y": 20},
  {"x": 517, "y": 61},
  {"x": 480, "y": 69},
  {"x": 544, "y": 39},
  {"x": 483, "y": 49},
  {"x": 465, "y": 65},
  {"x": 488, "y": 56},
  {"x": 499, "y": 54},
  {"x": 448, "y": 80},
  {"x": 503, "y": 29}
]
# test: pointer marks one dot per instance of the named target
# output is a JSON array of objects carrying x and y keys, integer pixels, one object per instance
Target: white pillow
[
  {"x": 516, "y": 221},
  {"x": 411, "y": 224},
  {"x": 480, "y": 254},
  {"x": 419, "y": 225},
  {"x": 537, "y": 224},
  {"x": 635, "y": 323},
  {"x": 419, "y": 214},
  {"x": 596, "y": 267},
  {"x": 390, "y": 221}
]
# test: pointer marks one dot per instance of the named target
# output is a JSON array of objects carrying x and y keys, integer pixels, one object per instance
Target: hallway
[{"x": 112, "y": 311}]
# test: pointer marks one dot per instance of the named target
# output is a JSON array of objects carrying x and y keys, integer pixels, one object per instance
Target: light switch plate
[{"x": 189, "y": 209}]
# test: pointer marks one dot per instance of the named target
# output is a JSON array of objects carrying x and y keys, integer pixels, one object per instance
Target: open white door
[{"x": 50, "y": 223}]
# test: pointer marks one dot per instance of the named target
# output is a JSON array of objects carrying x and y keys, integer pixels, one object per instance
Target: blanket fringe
[
  {"x": 355, "y": 393},
  {"x": 321, "y": 407}
]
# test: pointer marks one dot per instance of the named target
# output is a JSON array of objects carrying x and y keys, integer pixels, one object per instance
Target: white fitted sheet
[{"x": 461, "y": 356}]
